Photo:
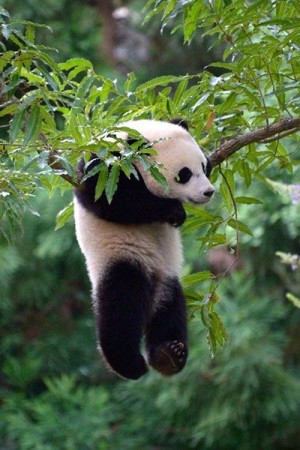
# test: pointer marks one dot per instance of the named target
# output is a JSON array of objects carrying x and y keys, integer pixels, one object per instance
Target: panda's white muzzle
[{"x": 200, "y": 190}]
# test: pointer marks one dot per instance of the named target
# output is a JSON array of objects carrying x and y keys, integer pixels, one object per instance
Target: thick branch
[{"x": 276, "y": 131}]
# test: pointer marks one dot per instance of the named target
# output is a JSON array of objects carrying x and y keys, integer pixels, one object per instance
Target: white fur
[
  {"x": 176, "y": 149},
  {"x": 157, "y": 246}
]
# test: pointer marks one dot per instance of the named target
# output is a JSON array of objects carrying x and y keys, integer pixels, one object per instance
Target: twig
[
  {"x": 272, "y": 132},
  {"x": 55, "y": 164},
  {"x": 278, "y": 136}
]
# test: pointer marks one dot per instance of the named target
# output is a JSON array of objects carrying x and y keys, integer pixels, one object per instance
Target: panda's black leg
[
  {"x": 122, "y": 306},
  {"x": 166, "y": 336}
]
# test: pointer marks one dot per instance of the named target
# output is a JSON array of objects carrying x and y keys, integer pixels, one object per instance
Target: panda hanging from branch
[{"x": 133, "y": 251}]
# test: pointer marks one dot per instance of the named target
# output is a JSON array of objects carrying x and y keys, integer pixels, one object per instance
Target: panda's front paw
[{"x": 177, "y": 216}]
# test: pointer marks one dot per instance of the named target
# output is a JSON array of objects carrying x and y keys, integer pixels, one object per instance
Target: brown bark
[{"x": 277, "y": 130}]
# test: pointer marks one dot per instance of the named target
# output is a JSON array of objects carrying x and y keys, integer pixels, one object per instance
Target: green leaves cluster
[
  {"x": 52, "y": 113},
  {"x": 260, "y": 42},
  {"x": 63, "y": 405}
]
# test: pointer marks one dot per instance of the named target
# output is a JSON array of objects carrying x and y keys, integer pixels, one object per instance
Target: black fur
[
  {"x": 166, "y": 336},
  {"x": 123, "y": 305},
  {"x": 183, "y": 123},
  {"x": 132, "y": 203},
  {"x": 208, "y": 168},
  {"x": 184, "y": 175},
  {"x": 125, "y": 311}
]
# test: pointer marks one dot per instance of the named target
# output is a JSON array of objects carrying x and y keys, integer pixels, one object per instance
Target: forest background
[{"x": 241, "y": 387}]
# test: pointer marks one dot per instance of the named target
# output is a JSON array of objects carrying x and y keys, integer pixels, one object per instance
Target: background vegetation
[{"x": 243, "y": 62}]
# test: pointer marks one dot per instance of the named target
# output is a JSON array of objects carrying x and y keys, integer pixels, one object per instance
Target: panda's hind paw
[{"x": 169, "y": 357}]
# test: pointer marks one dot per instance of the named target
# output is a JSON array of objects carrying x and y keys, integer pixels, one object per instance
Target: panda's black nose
[{"x": 209, "y": 193}]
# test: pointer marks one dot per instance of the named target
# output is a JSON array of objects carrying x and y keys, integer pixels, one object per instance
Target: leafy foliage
[
  {"x": 222, "y": 403},
  {"x": 62, "y": 396}
]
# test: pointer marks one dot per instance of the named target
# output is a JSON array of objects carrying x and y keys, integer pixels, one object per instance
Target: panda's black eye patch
[{"x": 183, "y": 175}]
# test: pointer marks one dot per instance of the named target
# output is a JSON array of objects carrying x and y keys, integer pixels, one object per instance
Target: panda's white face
[
  {"x": 185, "y": 168},
  {"x": 184, "y": 164}
]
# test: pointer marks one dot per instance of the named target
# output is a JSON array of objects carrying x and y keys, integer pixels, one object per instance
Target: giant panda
[{"x": 133, "y": 252}]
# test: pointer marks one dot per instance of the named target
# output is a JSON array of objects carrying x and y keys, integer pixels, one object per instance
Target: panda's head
[{"x": 183, "y": 163}]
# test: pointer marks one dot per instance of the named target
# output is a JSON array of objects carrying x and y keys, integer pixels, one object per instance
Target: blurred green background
[{"x": 55, "y": 391}]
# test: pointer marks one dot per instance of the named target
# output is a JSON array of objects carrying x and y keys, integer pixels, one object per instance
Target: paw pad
[
  {"x": 178, "y": 348},
  {"x": 169, "y": 357}
]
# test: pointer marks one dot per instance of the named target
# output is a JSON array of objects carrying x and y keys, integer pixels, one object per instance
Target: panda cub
[{"x": 133, "y": 252}]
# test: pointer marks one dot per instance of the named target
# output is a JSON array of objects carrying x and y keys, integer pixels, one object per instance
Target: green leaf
[
  {"x": 193, "y": 298},
  {"x": 248, "y": 200},
  {"x": 90, "y": 173},
  {"x": 217, "y": 332},
  {"x": 64, "y": 216},
  {"x": 9, "y": 110},
  {"x": 78, "y": 65},
  {"x": 158, "y": 81},
  {"x": 180, "y": 90},
  {"x": 112, "y": 182},
  {"x": 16, "y": 125},
  {"x": 159, "y": 177},
  {"x": 226, "y": 195},
  {"x": 30, "y": 33},
  {"x": 240, "y": 226},
  {"x": 76, "y": 62},
  {"x": 222, "y": 65},
  {"x": 292, "y": 298},
  {"x": 102, "y": 180},
  {"x": 129, "y": 169},
  {"x": 85, "y": 86},
  {"x": 200, "y": 218},
  {"x": 195, "y": 278},
  {"x": 74, "y": 128},
  {"x": 247, "y": 173},
  {"x": 33, "y": 125},
  {"x": 170, "y": 5},
  {"x": 131, "y": 78},
  {"x": 31, "y": 77},
  {"x": 217, "y": 239},
  {"x": 48, "y": 77}
]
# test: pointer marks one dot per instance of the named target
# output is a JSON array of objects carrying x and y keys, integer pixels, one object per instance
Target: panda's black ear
[
  {"x": 208, "y": 168},
  {"x": 183, "y": 123}
]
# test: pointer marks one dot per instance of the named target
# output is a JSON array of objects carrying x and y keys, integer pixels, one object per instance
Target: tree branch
[
  {"x": 54, "y": 163},
  {"x": 272, "y": 132}
]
